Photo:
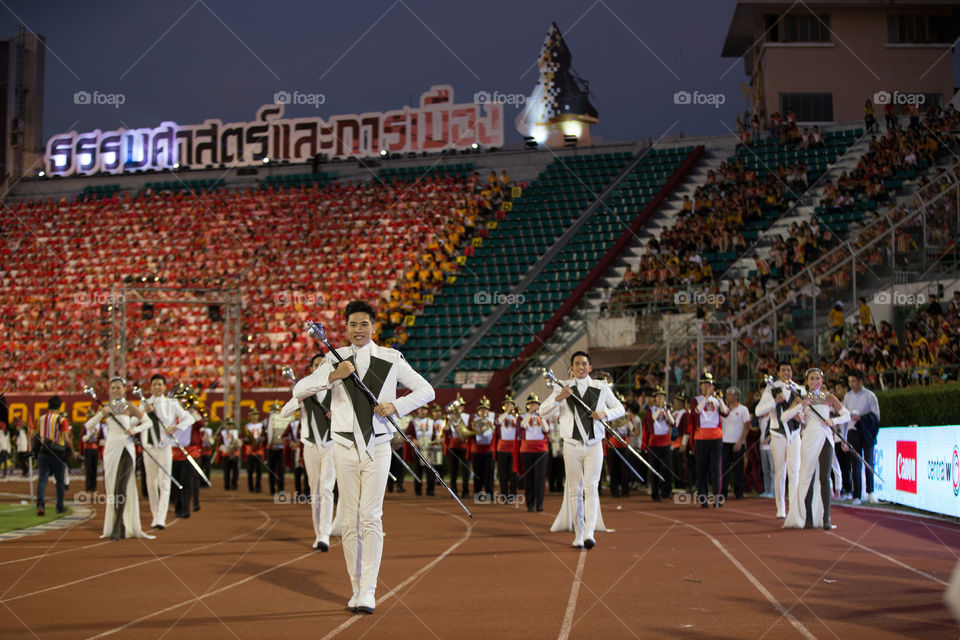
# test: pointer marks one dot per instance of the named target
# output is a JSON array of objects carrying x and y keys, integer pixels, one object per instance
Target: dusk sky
[{"x": 188, "y": 60}]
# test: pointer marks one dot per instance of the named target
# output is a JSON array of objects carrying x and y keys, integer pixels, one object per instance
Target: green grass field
[{"x": 20, "y": 516}]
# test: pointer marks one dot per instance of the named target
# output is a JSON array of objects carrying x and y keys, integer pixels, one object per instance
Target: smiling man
[
  {"x": 361, "y": 432},
  {"x": 583, "y": 433}
]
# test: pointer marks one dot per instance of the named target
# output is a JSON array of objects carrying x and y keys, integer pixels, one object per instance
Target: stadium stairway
[
  {"x": 575, "y": 264},
  {"x": 716, "y": 151},
  {"x": 504, "y": 251}
]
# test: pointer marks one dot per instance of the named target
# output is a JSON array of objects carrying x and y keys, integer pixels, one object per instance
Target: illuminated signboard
[
  {"x": 436, "y": 125},
  {"x": 920, "y": 467}
]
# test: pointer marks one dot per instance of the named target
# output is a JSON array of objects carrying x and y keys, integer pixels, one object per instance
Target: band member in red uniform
[
  {"x": 481, "y": 450},
  {"x": 658, "y": 422},
  {"x": 206, "y": 451},
  {"x": 683, "y": 471},
  {"x": 705, "y": 412},
  {"x": 455, "y": 446},
  {"x": 228, "y": 451},
  {"x": 506, "y": 434},
  {"x": 533, "y": 452},
  {"x": 195, "y": 450}
]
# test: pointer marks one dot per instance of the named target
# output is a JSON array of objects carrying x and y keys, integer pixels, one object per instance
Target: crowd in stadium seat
[
  {"x": 295, "y": 254},
  {"x": 930, "y": 348}
]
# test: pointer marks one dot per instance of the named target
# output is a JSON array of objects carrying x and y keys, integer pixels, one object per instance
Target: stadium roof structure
[{"x": 741, "y": 35}]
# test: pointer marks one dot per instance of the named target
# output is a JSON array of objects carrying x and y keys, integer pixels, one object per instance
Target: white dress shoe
[{"x": 366, "y": 602}]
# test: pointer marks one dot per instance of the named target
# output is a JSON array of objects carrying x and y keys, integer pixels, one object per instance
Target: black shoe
[
  {"x": 399, "y": 490},
  {"x": 588, "y": 543},
  {"x": 529, "y": 509},
  {"x": 539, "y": 509},
  {"x": 196, "y": 507},
  {"x": 160, "y": 527},
  {"x": 704, "y": 505}
]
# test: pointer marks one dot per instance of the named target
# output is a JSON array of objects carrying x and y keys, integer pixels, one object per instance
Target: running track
[{"x": 242, "y": 567}]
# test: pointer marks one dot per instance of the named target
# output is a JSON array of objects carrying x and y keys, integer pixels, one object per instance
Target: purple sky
[{"x": 187, "y": 60}]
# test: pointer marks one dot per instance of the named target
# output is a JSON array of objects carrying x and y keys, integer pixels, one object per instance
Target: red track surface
[{"x": 242, "y": 567}]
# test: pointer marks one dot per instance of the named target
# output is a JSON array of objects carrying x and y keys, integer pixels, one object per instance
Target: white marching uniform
[
  {"x": 118, "y": 445},
  {"x": 814, "y": 436},
  {"x": 784, "y": 445},
  {"x": 160, "y": 445},
  {"x": 321, "y": 473},
  {"x": 362, "y": 461},
  {"x": 582, "y": 455}
]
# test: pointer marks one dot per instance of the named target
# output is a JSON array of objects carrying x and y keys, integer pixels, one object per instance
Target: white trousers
[
  {"x": 362, "y": 483},
  {"x": 158, "y": 483},
  {"x": 322, "y": 476},
  {"x": 786, "y": 461},
  {"x": 582, "y": 465}
]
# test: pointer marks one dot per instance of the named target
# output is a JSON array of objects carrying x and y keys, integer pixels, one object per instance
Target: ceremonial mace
[
  {"x": 93, "y": 394},
  {"x": 316, "y": 331},
  {"x": 548, "y": 374}
]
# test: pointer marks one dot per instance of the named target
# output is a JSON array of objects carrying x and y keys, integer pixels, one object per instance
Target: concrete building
[
  {"x": 21, "y": 106},
  {"x": 825, "y": 59}
]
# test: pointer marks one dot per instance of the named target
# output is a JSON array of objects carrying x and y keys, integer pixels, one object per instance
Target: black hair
[
  {"x": 158, "y": 376},
  {"x": 576, "y": 354},
  {"x": 360, "y": 306},
  {"x": 314, "y": 358},
  {"x": 856, "y": 373},
  {"x": 54, "y": 403}
]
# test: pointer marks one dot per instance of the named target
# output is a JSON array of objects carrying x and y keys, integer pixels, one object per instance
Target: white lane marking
[
  {"x": 422, "y": 570},
  {"x": 574, "y": 594},
  {"x": 749, "y": 576}
]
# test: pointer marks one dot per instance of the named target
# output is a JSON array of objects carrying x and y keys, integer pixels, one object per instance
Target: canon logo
[
  {"x": 906, "y": 469},
  {"x": 907, "y": 466}
]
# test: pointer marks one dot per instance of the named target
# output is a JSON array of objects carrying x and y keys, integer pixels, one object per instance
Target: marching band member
[
  {"x": 784, "y": 436},
  {"x": 194, "y": 450},
  {"x": 582, "y": 446},
  {"x": 318, "y": 458},
  {"x": 293, "y": 439},
  {"x": 819, "y": 412},
  {"x": 123, "y": 421},
  {"x": 481, "y": 449},
  {"x": 658, "y": 421},
  {"x": 680, "y": 440},
  {"x": 533, "y": 452},
  {"x": 163, "y": 417},
  {"x": 189, "y": 441},
  {"x": 253, "y": 438},
  {"x": 455, "y": 446},
  {"x": 420, "y": 431},
  {"x": 275, "y": 430},
  {"x": 90, "y": 444},
  {"x": 505, "y": 437},
  {"x": 705, "y": 412},
  {"x": 228, "y": 451},
  {"x": 207, "y": 449},
  {"x": 555, "y": 470},
  {"x": 620, "y": 474},
  {"x": 361, "y": 433}
]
